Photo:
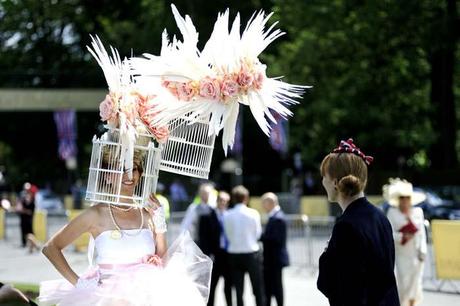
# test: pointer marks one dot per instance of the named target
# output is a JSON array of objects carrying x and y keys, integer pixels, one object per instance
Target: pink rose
[
  {"x": 107, "y": 109},
  {"x": 259, "y": 79},
  {"x": 144, "y": 104},
  {"x": 161, "y": 133},
  {"x": 148, "y": 118},
  {"x": 130, "y": 110},
  {"x": 172, "y": 87},
  {"x": 186, "y": 91},
  {"x": 244, "y": 78},
  {"x": 210, "y": 88},
  {"x": 229, "y": 87}
]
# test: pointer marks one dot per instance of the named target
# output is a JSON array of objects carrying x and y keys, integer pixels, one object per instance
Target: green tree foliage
[
  {"x": 382, "y": 71},
  {"x": 369, "y": 64},
  {"x": 43, "y": 43}
]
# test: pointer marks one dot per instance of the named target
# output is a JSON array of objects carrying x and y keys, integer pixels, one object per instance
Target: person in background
[
  {"x": 409, "y": 235},
  {"x": 243, "y": 229},
  {"x": 275, "y": 252},
  {"x": 163, "y": 200},
  {"x": 202, "y": 221},
  {"x": 195, "y": 211},
  {"x": 25, "y": 207},
  {"x": 221, "y": 265},
  {"x": 178, "y": 195},
  {"x": 357, "y": 267},
  {"x": 77, "y": 191}
]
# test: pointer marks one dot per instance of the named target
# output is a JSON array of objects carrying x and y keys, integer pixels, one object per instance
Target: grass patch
[{"x": 30, "y": 290}]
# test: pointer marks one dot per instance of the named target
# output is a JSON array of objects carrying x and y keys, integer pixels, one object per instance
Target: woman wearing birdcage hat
[
  {"x": 132, "y": 265},
  {"x": 409, "y": 234},
  {"x": 151, "y": 98}
]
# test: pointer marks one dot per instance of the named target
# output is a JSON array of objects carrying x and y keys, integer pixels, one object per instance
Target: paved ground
[{"x": 17, "y": 265}]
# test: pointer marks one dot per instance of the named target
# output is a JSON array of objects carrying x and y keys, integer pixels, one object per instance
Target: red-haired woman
[{"x": 357, "y": 267}]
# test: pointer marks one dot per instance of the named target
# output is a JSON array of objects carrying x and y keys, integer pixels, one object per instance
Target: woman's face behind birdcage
[
  {"x": 120, "y": 177},
  {"x": 128, "y": 185}
]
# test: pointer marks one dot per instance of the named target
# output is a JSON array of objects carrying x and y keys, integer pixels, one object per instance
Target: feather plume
[{"x": 184, "y": 79}]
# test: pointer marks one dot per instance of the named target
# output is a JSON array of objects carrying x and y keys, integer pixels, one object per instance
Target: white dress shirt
[{"x": 243, "y": 229}]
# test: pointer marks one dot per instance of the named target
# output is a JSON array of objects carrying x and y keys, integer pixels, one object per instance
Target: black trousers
[
  {"x": 273, "y": 284},
  {"x": 26, "y": 227},
  {"x": 221, "y": 268},
  {"x": 250, "y": 263}
]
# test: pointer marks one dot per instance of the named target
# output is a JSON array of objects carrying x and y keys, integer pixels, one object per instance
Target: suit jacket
[
  {"x": 357, "y": 268},
  {"x": 274, "y": 241},
  {"x": 209, "y": 230}
]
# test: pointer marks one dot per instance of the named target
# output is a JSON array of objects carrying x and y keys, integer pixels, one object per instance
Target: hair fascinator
[{"x": 349, "y": 147}]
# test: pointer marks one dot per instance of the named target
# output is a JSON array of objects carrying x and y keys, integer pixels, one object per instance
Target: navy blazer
[
  {"x": 209, "y": 230},
  {"x": 357, "y": 268},
  {"x": 274, "y": 241}
]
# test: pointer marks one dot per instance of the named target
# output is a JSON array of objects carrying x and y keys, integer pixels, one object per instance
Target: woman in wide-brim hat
[{"x": 409, "y": 236}]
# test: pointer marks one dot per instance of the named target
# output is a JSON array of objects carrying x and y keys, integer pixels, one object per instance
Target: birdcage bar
[{"x": 189, "y": 148}]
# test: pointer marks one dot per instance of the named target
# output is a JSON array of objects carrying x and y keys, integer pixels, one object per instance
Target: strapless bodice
[{"x": 130, "y": 248}]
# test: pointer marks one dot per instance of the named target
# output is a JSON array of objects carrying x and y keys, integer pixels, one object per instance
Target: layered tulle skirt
[{"x": 182, "y": 280}]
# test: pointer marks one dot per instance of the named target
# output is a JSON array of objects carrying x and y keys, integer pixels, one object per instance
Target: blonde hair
[
  {"x": 271, "y": 197},
  {"x": 348, "y": 169},
  {"x": 109, "y": 156},
  {"x": 240, "y": 194}
]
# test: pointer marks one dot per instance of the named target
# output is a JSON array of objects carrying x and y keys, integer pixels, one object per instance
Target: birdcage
[
  {"x": 107, "y": 181},
  {"x": 189, "y": 148}
]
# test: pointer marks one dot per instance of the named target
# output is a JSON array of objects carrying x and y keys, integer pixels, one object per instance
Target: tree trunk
[{"x": 442, "y": 60}]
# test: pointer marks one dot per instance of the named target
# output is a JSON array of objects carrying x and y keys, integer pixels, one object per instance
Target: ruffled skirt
[{"x": 184, "y": 280}]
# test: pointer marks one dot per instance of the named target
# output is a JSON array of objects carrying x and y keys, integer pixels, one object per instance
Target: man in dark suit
[
  {"x": 209, "y": 231},
  {"x": 275, "y": 251},
  {"x": 221, "y": 264}
]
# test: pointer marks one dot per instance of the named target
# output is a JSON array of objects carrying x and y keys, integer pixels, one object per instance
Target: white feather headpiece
[
  {"x": 213, "y": 82},
  {"x": 124, "y": 107}
]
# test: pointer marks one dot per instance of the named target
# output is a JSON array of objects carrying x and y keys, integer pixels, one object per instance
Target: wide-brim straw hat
[{"x": 401, "y": 188}]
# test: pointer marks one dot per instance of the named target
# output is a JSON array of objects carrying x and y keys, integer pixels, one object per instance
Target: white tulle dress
[{"x": 124, "y": 278}]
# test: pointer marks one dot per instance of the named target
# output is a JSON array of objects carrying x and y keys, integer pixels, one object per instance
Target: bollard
[
  {"x": 68, "y": 202},
  {"x": 40, "y": 225},
  {"x": 2, "y": 224},
  {"x": 81, "y": 243}
]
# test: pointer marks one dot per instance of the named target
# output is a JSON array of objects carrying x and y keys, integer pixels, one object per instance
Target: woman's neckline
[{"x": 123, "y": 230}]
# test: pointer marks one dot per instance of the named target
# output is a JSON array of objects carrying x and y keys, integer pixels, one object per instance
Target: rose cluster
[
  {"x": 136, "y": 108},
  {"x": 224, "y": 88}
]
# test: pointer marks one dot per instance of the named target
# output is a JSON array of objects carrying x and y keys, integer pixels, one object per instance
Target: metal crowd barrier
[{"x": 307, "y": 238}]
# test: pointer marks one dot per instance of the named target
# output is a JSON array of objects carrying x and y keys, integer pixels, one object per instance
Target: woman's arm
[
  {"x": 65, "y": 236},
  {"x": 157, "y": 222},
  {"x": 392, "y": 216},
  {"x": 161, "y": 244},
  {"x": 421, "y": 233}
]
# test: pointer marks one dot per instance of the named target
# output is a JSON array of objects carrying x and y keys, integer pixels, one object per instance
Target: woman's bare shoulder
[{"x": 96, "y": 210}]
